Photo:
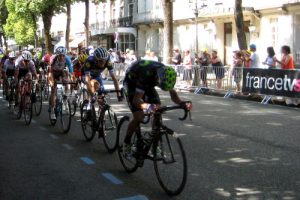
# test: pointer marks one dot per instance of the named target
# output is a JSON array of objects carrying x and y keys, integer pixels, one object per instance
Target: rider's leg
[{"x": 133, "y": 124}]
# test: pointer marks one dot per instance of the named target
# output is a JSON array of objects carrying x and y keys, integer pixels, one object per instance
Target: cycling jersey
[
  {"x": 57, "y": 65},
  {"x": 77, "y": 68},
  {"x": 90, "y": 67},
  {"x": 20, "y": 65},
  {"x": 143, "y": 74},
  {"x": 142, "y": 77},
  {"x": 8, "y": 65}
]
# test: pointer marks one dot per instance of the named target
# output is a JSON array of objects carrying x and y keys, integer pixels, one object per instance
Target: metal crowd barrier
[{"x": 120, "y": 70}]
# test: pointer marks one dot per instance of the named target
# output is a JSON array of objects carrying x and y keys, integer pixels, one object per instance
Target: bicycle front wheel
[
  {"x": 27, "y": 109},
  {"x": 108, "y": 128},
  {"x": 88, "y": 121},
  {"x": 128, "y": 159},
  {"x": 38, "y": 100},
  {"x": 170, "y": 163},
  {"x": 65, "y": 115}
]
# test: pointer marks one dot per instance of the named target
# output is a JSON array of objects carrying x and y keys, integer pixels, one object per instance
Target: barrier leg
[{"x": 228, "y": 94}]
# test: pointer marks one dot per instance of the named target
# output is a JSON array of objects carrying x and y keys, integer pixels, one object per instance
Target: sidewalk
[
  {"x": 220, "y": 93},
  {"x": 251, "y": 97}
]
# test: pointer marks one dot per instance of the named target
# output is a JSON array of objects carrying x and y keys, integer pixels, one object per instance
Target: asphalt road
[{"x": 236, "y": 149}]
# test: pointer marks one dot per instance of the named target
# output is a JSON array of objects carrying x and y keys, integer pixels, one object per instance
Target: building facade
[{"x": 197, "y": 24}]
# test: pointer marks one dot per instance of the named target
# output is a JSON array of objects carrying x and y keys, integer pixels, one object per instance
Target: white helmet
[
  {"x": 12, "y": 54},
  {"x": 26, "y": 55},
  {"x": 60, "y": 50}
]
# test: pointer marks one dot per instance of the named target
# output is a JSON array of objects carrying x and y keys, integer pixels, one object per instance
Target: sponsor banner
[{"x": 272, "y": 82}]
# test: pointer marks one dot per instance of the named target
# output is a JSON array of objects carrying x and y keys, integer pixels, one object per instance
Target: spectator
[
  {"x": 153, "y": 56},
  {"x": 286, "y": 61},
  {"x": 176, "y": 60},
  {"x": 187, "y": 63},
  {"x": 204, "y": 61},
  {"x": 237, "y": 70},
  {"x": 254, "y": 57},
  {"x": 147, "y": 55},
  {"x": 271, "y": 59},
  {"x": 218, "y": 68},
  {"x": 246, "y": 58},
  {"x": 130, "y": 57}
]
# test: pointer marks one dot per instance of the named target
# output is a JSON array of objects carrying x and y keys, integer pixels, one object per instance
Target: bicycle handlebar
[{"x": 175, "y": 107}]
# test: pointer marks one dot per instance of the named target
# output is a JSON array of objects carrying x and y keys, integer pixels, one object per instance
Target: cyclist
[
  {"x": 8, "y": 70},
  {"x": 139, "y": 84},
  {"x": 77, "y": 66},
  {"x": 58, "y": 63},
  {"x": 25, "y": 68},
  {"x": 93, "y": 67}
]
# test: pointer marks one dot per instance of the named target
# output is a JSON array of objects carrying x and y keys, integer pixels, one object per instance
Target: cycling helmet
[
  {"x": 101, "y": 53},
  {"x": 82, "y": 58},
  {"x": 12, "y": 55},
  {"x": 166, "y": 78},
  {"x": 60, "y": 50},
  {"x": 26, "y": 55},
  {"x": 46, "y": 58},
  {"x": 91, "y": 52}
]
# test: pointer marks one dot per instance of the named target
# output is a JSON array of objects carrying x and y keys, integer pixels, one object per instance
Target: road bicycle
[
  {"x": 161, "y": 145},
  {"x": 62, "y": 107},
  {"x": 37, "y": 98},
  {"x": 98, "y": 116},
  {"x": 78, "y": 97},
  {"x": 24, "y": 100}
]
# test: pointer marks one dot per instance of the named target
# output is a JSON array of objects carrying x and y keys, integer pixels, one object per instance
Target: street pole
[{"x": 196, "y": 24}]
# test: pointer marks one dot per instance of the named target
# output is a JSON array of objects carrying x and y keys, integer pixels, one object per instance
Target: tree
[
  {"x": 168, "y": 31},
  {"x": 3, "y": 17},
  {"x": 21, "y": 22},
  {"x": 239, "y": 21},
  {"x": 68, "y": 28}
]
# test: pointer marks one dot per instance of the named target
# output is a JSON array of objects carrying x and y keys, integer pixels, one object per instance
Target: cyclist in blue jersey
[{"x": 92, "y": 69}]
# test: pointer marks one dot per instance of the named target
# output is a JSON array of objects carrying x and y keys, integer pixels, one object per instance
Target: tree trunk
[
  {"x": 68, "y": 25},
  {"x": 36, "y": 38},
  {"x": 86, "y": 23},
  {"x": 47, "y": 18},
  {"x": 1, "y": 44},
  {"x": 168, "y": 31},
  {"x": 239, "y": 21},
  {"x": 5, "y": 42}
]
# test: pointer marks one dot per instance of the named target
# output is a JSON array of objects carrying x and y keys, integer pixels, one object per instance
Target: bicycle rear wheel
[
  {"x": 88, "y": 121},
  {"x": 46, "y": 90},
  {"x": 170, "y": 163},
  {"x": 38, "y": 100},
  {"x": 27, "y": 109},
  {"x": 73, "y": 106},
  {"x": 18, "y": 109},
  {"x": 129, "y": 162},
  {"x": 108, "y": 128},
  {"x": 65, "y": 115}
]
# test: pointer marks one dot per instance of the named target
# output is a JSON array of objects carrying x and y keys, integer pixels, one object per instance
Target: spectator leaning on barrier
[
  {"x": 246, "y": 58},
  {"x": 237, "y": 70},
  {"x": 218, "y": 68},
  {"x": 176, "y": 59},
  {"x": 254, "y": 57},
  {"x": 204, "y": 61},
  {"x": 286, "y": 61},
  {"x": 270, "y": 61},
  {"x": 187, "y": 63}
]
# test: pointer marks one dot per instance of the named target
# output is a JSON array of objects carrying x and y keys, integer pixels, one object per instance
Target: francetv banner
[{"x": 272, "y": 82}]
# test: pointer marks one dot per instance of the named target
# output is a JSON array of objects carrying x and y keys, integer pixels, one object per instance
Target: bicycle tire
[
  {"x": 65, "y": 115},
  {"x": 52, "y": 121},
  {"x": 108, "y": 124},
  {"x": 73, "y": 107},
  {"x": 121, "y": 133},
  {"x": 166, "y": 155},
  {"x": 27, "y": 109},
  {"x": 88, "y": 121},
  {"x": 45, "y": 90},
  {"x": 19, "y": 108},
  {"x": 38, "y": 104}
]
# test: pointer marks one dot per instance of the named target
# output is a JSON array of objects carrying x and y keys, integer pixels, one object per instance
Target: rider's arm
[
  {"x": 69, "y": 64},
  {"x": 174, "y": 96}
]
